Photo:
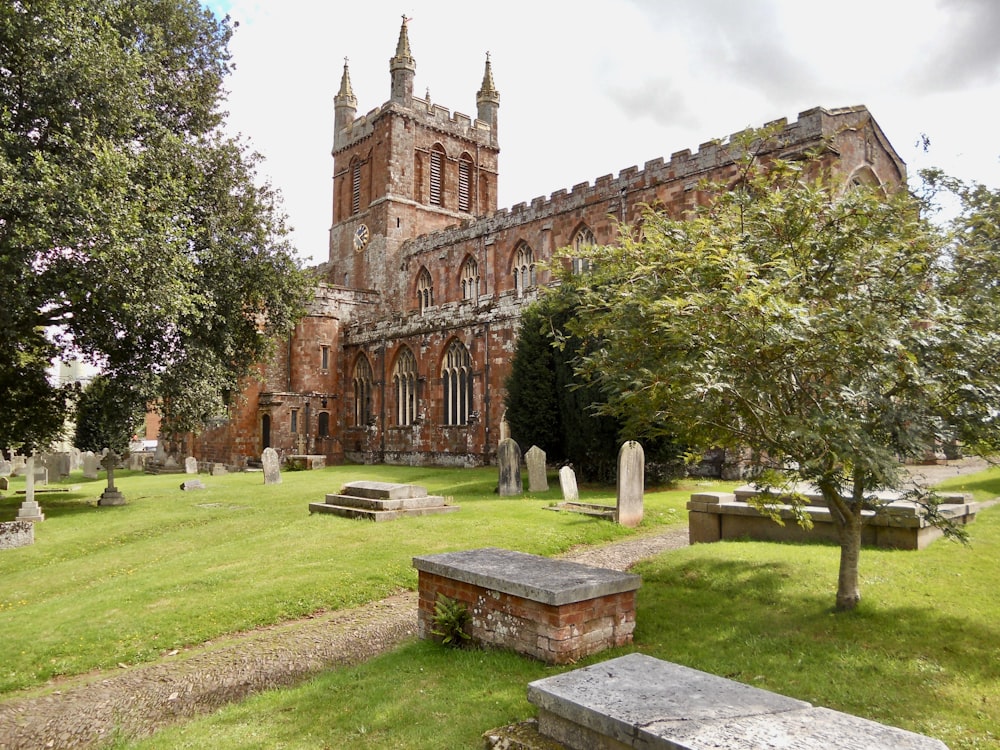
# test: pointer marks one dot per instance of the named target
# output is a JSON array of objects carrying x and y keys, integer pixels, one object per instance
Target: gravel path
[{"x": 136, "y": 701}]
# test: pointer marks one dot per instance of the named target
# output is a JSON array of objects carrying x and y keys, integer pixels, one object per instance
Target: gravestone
[
  {"x": 631, "y": 473},
  {"x": 29, "y": 510},
  {"x": 504, "y": 428},
  {"x": 6, "y": 468},
  {"x": 4, "y": 484},
  {"x": 509, "y": 461},
  {"x": 190, "y": 465},
  {"x": 192, "y": 484},
  {"x": 567, "y": 483},
  {"x": 111, "y": 495},
  {"x": 91, "y": 465},
  {"x": 39, "y": 473},
  {"x": 272, "y": 466},
  {"x": 219, "y": 470},
  {"x": 535, "y": 459},
  {"x": 17, "y": 464}
]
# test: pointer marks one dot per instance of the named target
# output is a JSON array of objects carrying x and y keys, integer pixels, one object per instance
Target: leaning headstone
[
  {"x": 192, "y": 484},
  {"x": 91, "y": 465},
  {"x": 535, "y": 459},
  {"x": 567, "y": 483},
  {"x": 111, "y": 495},
  {"x": 29, "y": 510},
  {"x": 631, "y": 483},
  {"x": 190, "y": 465},
  {"x": 272, "y": 466},
  {"x": 509, "y": 461}
]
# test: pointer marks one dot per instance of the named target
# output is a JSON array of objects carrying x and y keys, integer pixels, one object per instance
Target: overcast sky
[{"x": 588, "y": 89}]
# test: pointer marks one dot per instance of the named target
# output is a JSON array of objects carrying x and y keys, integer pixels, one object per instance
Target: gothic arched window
[
  {"x": 425, "y": 290},
  {"x": 524, "y": 268},
  {"x": 465, "y": 183},
  {"x": 404, "y": 381},
  {"x": 362, "y": 392},
  {"x": 437, "y": 175},
  {"x": 456, "y": 378},
  {"x": 583, "y": 239},
  {"x": 470, "y": 279}
]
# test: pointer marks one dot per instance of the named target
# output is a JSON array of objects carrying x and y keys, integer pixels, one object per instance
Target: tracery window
[
  {"x": 470, "y": 279},
  {"x": 456, "y": 378},
  {"x": 404, "y": 381},
  {"x": 583, "y": 239},
  {"x": 362, "y": 392},
  {"x": 425, "y": 290},
  {"x": 465, "y": 183},
  {"x": 437, "y": 176},
  {"x": 524, "y": 268}
]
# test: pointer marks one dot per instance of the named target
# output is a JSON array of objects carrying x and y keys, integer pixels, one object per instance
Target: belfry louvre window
[
  {"x": 425, "y": 291},
  {"x": 355, "y": 187},
  {"x": 437, "y": 177},
  {"x": 464, "y": 184},
  {"x": 456, "y": 378},
  {"x": 362, "y": 392},
  {"x": 404, "y": 380}
]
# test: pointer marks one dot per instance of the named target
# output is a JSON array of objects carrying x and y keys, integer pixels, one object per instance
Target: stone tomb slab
[
  {"x": 553, "y": 610},
  {"x": 637, "y": 701},
  {"x": 382, "y": 501}
]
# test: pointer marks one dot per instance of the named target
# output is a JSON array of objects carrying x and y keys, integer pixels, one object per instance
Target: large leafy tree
[
  {"x": 819, "y": 325},
  {"x": 108, "y": 414},
  {"x": 133, "y": 231}
]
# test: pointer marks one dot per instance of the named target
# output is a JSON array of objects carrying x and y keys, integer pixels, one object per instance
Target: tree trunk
[{"x": 847, "y": 518}]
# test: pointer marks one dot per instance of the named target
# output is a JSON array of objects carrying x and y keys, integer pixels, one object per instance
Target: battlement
[
  {"x": 430, "y": 114},
  {"x": 811, "y": 127}
]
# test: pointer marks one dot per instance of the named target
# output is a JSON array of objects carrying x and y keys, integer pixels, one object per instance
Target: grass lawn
[
  {"x": 123, "y": 585},
  {"x": 922, "y": 651}
]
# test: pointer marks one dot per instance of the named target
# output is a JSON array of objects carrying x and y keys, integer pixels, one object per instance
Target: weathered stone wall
[{"x": 555, "y": 634}]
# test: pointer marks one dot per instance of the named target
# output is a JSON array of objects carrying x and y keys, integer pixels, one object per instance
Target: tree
[
  {"x": 133, "y": 233},
  {"x": 108, "y": 414},
  {"x": 816, "y": 324}
]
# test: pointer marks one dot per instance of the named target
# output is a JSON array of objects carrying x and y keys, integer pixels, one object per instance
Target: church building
[{"x": 403, "y": 354}]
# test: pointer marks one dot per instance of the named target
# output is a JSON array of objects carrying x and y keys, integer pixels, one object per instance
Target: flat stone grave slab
[
  {"x": 637, "y": 701},
  {"x": 554, "y": 610},
  {"x": 382, "y": 501}
]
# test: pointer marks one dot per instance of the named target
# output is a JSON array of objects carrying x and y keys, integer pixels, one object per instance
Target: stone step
[
  {"x": 378, "y": 515},
  {"x": 369, "y": 503},
  {"x": 383, "y": 490}
]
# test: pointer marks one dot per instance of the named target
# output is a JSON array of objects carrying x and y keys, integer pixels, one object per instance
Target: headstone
[
  {"x": 535, "y": 459},
  {"x": 272, "y": 466},
  {"x": 509, "y": 461},
  {"x": 160, "y": 452},
  {"x": 137, "y": 461},
  {"x": 504, "y": 428},
  {"x": 219, "y": 470},
  {"x": 17, "y": 465},
  {"x": 567, "y": 483},
  {"x": 192, "y": 484},
  {"x": 6, "y": 468},
  {"x": 91, "y": 465},
  {"x": 190, "y": 465},
  {"x": 170, "y": 462},
  {"x": 111, "y": 495},
  {"x": 4, "y": 484},
  {"x": 631, "y": 483},
  {"x": 29, "y": 510},
  {"x": 40, "y": 474}
]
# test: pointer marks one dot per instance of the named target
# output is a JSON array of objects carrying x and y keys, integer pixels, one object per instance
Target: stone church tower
[
  {"x": 405, "y": 169},
  {"x": 404, "y": 352}
]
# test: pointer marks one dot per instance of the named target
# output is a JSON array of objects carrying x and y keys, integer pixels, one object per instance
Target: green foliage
[
  {"x": 108, "y": 414},
  {"x": 819, "y": 326},
  {"x": 131, "y": 228},
  {"x": 451, "y": 622},
  {"x": 550, "y": 406}
]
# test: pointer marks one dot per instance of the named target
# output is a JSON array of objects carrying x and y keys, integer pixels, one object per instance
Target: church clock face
[{"x": 361, "y": 237}]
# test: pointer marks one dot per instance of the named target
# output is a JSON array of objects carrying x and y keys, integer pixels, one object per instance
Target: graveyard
[{"x": 112, "y": 587}]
